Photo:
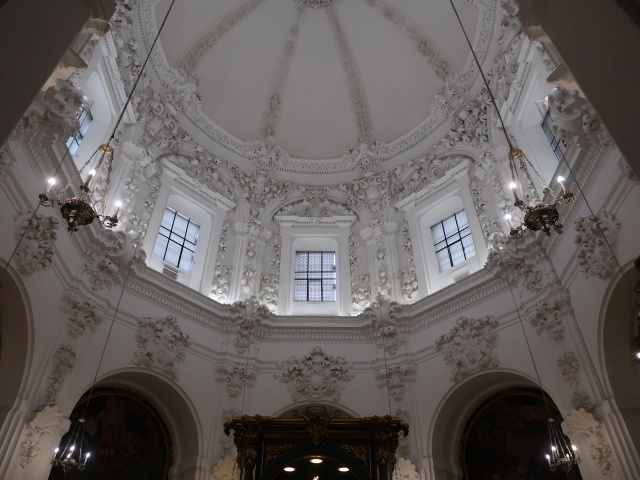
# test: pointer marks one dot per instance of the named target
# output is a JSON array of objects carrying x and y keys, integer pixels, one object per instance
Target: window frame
[
  {"x": 321, "y": 275},
  {"x": 558, "y": 145},
  {"x": 328, "y": 234},
  {"x": 170, "y": 238},
  {"x": 447, "y": 246},
  {"x": 425, "y": 208}
]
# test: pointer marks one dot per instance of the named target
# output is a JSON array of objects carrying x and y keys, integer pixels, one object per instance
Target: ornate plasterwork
[
  {"x": 316, "y": 4},
  {"x": 63, "y": 361},
  {"x": 379, "y": 237},
  {"x": 180, "y": 87},
  {"x": 315, "y": 376},
  {"x": 274, "y": 103},
  {"x": 571, "y": 373},
  {"x": 84, "y": 313},
  {"x": 372, "y": 191},
  {"x": 47, "y": 420},
  {"x": 382, "y": 314},
  {"x": 36, "y": 248},
  {"x": 269, "y": 282},
  {"x": 548, "y": 316},
  {"x": 226, "y": 468},
  {"x": 360, "y": 292},
  {"x": 404, "y": 441},
  {"x": 209, "y": 39},
  {"x": 523, "y": 260},
  {"x": 595, "y": 236},
  {"x": 222, "y": 274},
  {"x": 395, "y": 378},
  {"x": 356, "y": 88},
  {"x": 582, "y": 424},
  {"x": 141, "y": 169},
  {"x": 469, "y": 125},
  {"x": 360, "y": 282},
  {"x": 226, "y": 442},
  {"x": 101, "y": 272},
  {"x": 418, "y": 36},
  {"x": 254, "y": 235},
  {"x": 53, "y": 114},
  {"x": 405, "y": 470},
  {"x": 419, "y": 173},
  {"x": 237, "y": 377},
  {"x": 573, "y": 115},
  {"x": 409, "y": 284},
  {"x": 407, "y": 245},
  {"x": 469, "y": 346},
  {"x": 161, "y": 345},
  {"x": 315, "y": 205},
  {"x": 249, "y": 314}
]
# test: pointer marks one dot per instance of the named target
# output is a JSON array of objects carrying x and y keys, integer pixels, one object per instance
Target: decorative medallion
[{"x": 315, "y": 376}]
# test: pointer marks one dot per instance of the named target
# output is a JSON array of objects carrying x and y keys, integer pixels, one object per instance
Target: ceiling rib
[
  {"x": 424, "y": 43},
  {"x": 279, "y": 79},
  {"x": 356, "y": 88},
  {"x": 217, "y": 31}
]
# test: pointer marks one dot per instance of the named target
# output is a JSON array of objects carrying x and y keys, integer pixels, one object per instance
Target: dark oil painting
[
  {"x": 507, "y": 439},
  {"x": 126, "y": 438}
]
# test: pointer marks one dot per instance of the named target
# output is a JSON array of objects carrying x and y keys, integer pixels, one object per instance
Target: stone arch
[
  {"x": 454, "y": 411},
  {"x": 174, "y": 407},
  {"x": 16, "y": 353},
  {"x": 617, "y": 327}
]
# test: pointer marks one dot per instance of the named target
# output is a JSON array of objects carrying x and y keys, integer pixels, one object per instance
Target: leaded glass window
[{"x": 314, "y": 278}]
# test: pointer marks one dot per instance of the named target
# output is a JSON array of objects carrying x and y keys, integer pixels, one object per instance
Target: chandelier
[
  {"x": 539, "y": 216},
  {"x": 79, "y": 210},
  {"x": 534, "y": 213},
  {"x": 70, "y": 457},
  {"x": 562, "y": 455}
]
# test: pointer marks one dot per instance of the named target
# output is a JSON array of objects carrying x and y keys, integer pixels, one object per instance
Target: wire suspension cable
[
  {"x": 484, "y": 78},
  {"x": 113, "y": 133}
]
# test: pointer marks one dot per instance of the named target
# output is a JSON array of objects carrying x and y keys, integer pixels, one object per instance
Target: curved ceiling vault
[{"x": 317, "y": 76}]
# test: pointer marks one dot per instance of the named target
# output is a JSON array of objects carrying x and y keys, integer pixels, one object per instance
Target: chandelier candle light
[
  {"x": 67, "y": 457},
  {"x": 79, "y": 210},
  {"x": 538, "y": 216}
]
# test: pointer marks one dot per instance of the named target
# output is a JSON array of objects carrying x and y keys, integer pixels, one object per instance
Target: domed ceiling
[{"x": 317, "y": 77}]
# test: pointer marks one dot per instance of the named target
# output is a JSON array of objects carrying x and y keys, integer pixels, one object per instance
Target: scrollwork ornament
[
  {"x": 584, "y": 425},
  {"x": 315, "y": 376},
  {"x": 596, "y": 235},
  {"x": 63, "y": 361},
  {"x": 161, "y": 345},
  {"x": 469, "y": 346},
  {"x": 45, "y": 421},
  {"x": 36, "y": 250}
]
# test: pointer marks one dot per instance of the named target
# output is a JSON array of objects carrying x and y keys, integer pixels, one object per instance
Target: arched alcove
[
  {"x": 621, "y": 371},
  {"x": 174, "y": 408},
  {"x": 15, "y": 342},
  {"x": 331, "y": 456},
  {"x": 455, "y": 410}
]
